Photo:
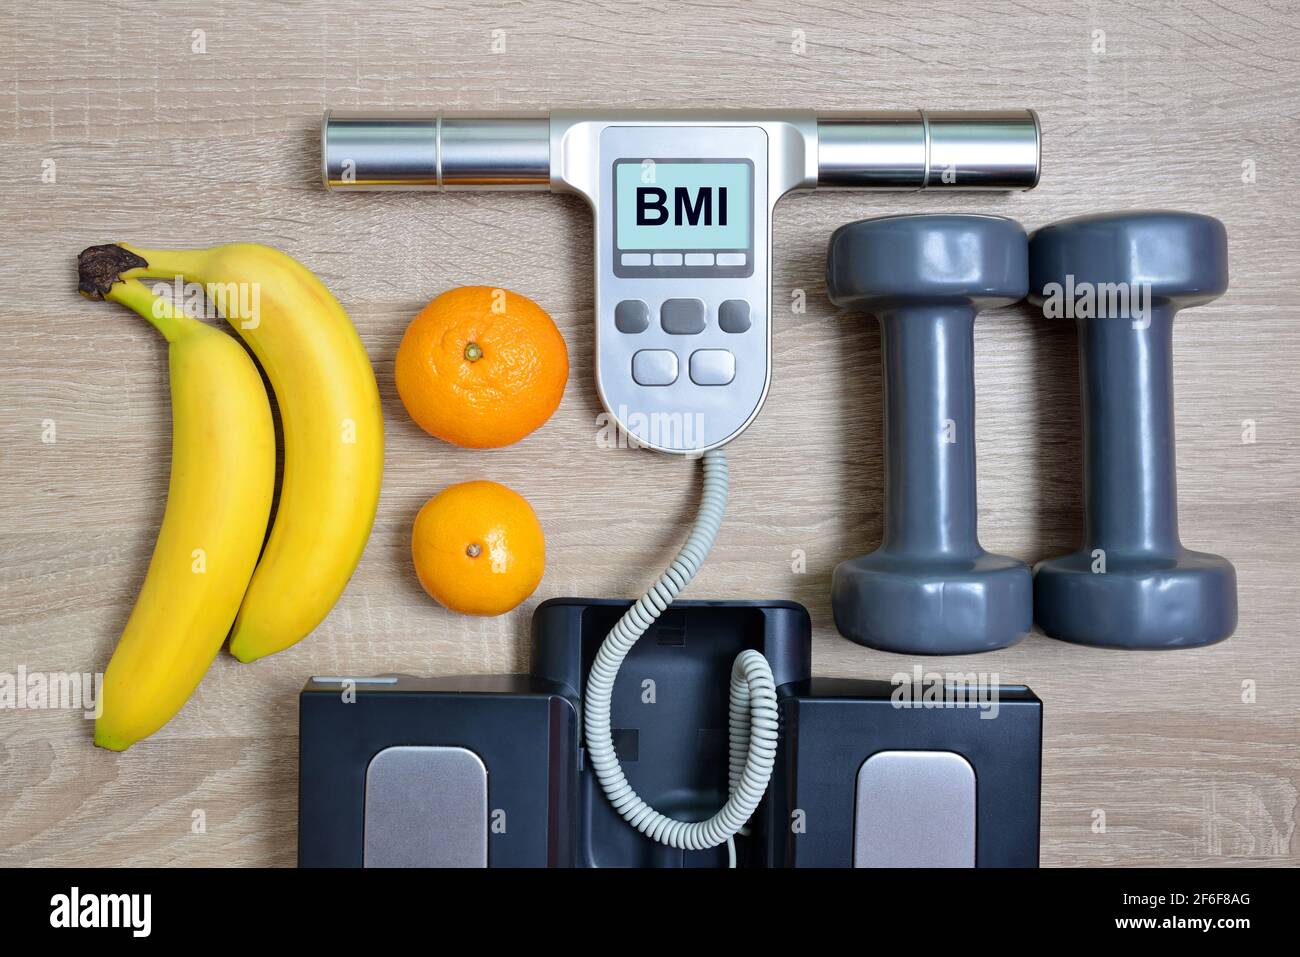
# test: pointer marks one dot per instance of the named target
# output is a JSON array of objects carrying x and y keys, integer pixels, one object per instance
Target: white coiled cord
[{"x": 752, "y": 712}]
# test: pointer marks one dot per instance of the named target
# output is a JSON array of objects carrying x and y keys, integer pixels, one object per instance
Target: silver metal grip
[
  {"x": 928, "y": 149},
  {"x": 435, "y": 151},
  {"x": 886, "y": 149}
]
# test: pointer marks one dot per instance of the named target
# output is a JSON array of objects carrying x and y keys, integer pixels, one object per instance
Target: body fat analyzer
[{"x": 683, "y": 206}]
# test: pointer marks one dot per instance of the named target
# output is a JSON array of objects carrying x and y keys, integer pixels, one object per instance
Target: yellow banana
[
  {"x": 333, "y": 431},
  {"x": 218, "y": 505}
]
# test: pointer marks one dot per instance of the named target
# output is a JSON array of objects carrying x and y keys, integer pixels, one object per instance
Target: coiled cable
[{"x": 752, "y": 714}]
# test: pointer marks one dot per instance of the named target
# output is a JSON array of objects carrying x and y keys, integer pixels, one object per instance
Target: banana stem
[
  {"x": 140, "y": 299},
  {"x": 165, "y": 263},
  {"x": 100, "y": 267},
  {"x": 113, "y": 270}
]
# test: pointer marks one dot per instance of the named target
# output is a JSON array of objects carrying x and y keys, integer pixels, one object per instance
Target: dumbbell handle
[
  {"x": 1130, "y": 479},
  {"x": 929, "y": 372},
  {"x": 883, "y": 149}
]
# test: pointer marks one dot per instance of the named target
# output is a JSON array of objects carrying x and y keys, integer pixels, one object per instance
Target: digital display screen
[{"x": 675, "y": 204}]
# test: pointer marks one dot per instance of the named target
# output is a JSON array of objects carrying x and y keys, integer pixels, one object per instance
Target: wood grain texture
[{"x": 161, "y": 145}]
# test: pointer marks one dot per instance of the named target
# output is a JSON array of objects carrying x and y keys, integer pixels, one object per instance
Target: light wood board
[{"x": 153, "y": 142}]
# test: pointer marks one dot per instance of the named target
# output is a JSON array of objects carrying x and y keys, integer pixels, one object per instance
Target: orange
[
  {"x": 478, "y": 548},
  {"x": 481, "y": 367}
]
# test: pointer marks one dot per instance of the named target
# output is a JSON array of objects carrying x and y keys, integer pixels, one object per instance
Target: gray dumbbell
[
  {"x": 930, "y": 588},
  {"x": 1133, "y": 584}
]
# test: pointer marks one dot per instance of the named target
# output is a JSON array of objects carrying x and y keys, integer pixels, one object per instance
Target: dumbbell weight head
[
  {"x": 930, "y": 588},
  {"x": 1122, "y": 277},
  {"x": 1181, "y": 257},
  {"x": 977, "y": 262}
]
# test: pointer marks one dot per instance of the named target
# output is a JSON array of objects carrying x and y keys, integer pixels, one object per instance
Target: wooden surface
[{"x": 155, "y": 143}]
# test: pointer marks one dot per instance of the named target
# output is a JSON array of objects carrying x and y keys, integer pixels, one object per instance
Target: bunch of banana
[{"x": 333, "y": 463}]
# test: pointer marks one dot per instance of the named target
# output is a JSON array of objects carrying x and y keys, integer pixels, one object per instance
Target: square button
[
  {"x": 699, "y": 259},
  {"x": 668, "y": 259},
  {"x": 654, "y": 367},
  {"x": 731, "y": 259},
  {"x": 712, "y": 367},
  {"x": 733, "y": 316},
  {"x": 635, "y": 259},
  {"x": 631, "y": 316},
  {"x": 682, "y": 317}
]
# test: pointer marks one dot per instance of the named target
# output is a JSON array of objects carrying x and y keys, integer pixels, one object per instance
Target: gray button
[
  {"x": 635, "y": 259},
  {"x": 682, "y": 317},
  {"x": 712, "y": 367},
  {"x": 731, "y": 259},
  {"x": 699, "y": 259},
  {"x": 631, "y": 315},
  {"x": 668, "y": 259},
  {"x": 654, "y": 367},
  {"x": 733, "y": 316}
]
